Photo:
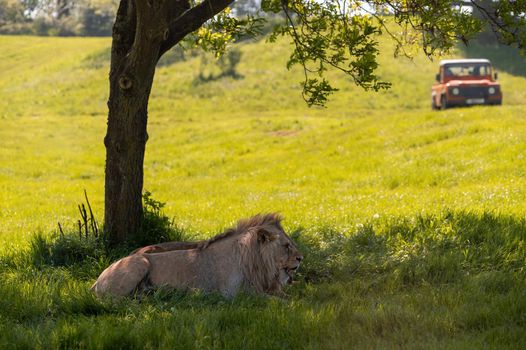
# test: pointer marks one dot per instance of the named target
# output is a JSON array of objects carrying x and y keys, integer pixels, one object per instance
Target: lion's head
[{"x": 269, "y": 257}]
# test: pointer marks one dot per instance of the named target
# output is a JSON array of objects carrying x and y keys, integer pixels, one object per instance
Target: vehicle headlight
[
  {"x": 455, "y": 91},
  {"x": 491, "y": 90}
]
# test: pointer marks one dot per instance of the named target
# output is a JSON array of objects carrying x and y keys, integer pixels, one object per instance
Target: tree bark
[
  {"x": 133, "y": 59},
  {"x": 143, "y": 31}
]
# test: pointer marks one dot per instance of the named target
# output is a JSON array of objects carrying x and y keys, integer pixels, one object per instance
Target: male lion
[{"x": 255, "y": 255}]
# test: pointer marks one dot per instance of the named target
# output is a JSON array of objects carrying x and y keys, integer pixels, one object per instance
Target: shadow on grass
[
  {"x": 386, "y": 255},
  {"x": 439, "y": 281},
  {"x": 404, "y": 252},
  {"x": 504, "y": 58}
]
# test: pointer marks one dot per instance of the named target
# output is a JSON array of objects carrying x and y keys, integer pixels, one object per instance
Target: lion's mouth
[{"x": 290, "y": 273}]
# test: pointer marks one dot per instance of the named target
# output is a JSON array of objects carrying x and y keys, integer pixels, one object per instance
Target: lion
[{"x": 254, "y": 256}]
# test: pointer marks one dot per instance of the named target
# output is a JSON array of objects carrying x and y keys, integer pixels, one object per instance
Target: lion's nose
[{"x": 299, "y": 258}]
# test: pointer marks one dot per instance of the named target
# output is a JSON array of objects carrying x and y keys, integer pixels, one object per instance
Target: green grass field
[{"x": 412, "y": 222}]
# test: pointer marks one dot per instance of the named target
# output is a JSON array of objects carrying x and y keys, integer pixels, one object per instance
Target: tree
[
  {"x": 12, "y": 17},
  {"x": 330, "y": 34},
  {"x": 95, "y": 21}
]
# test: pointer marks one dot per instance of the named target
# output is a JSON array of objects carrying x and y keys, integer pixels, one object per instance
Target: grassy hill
[{"x": 412, "y": 221}]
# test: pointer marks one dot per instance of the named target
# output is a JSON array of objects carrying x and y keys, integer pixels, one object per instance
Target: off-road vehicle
[{"x": 465, "y": 82}]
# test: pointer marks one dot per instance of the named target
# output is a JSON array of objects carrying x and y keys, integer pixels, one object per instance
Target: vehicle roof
[{"x": 465, "y": 60}]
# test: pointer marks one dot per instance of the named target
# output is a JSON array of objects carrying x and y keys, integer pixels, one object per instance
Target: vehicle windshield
[{"x": 467, "y": 69}]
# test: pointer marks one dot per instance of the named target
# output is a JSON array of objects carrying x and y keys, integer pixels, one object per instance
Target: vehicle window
[{"x": 464, "y": 70}]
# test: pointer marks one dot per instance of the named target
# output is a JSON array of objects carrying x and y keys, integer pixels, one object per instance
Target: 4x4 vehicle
[{"x": 465, "y": 82}]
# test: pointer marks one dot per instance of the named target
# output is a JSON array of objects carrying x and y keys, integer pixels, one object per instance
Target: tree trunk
[
  {"x": 125, "y": 146},
  {"x": 143, "y": 31},
  {"x": 133, "y": 59}
]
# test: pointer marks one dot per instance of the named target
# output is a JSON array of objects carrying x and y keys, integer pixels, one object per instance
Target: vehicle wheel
[
  {"x": 443, "y": 102},
  {"x": 495, "y": 103}
]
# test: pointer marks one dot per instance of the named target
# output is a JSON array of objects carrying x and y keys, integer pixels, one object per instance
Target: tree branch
[
  {"x": 123, "y": 33},
  {"x": 190, "y": 21},
  {"x": 148, "y": 34}
]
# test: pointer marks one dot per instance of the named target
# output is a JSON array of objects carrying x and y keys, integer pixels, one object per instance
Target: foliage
[
  {"x": 11, "y": 12},
  {"x": 324, "y": 39},
  {"x": 65, "y": 249},
  {"x": 156, "y": 227},
  {"x": 83, "y": 246},
  {"x": 95, "y": 22},
  {"x": 343, "y": 35},
  {"x": 57, "y": 18},
  {"x": 224, "y": 29},
  {"x": 506, "y": 18}
]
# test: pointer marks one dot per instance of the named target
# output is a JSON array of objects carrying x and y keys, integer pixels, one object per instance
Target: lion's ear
[{"x": 266, "y": 235}]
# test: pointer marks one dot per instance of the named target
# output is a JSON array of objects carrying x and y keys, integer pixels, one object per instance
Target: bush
[
  {"x": 86, "y": 245},
  {"x": 65, "y": 249},
  {"x": 95, "y": 22},
  {"x": 156, "y": 227}
]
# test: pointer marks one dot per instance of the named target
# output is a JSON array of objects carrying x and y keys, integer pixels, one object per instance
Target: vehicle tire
[
  {"x": 496, "y": 103},
  {"x": 433, "y": 103},
  {"x": 443, "y": 102}
]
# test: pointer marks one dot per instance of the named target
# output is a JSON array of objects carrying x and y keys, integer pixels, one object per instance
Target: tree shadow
[
  {"x": 404, "y": 252},
  {"x": 503, "y": 57},
  {"x": 203, "y": 78}
]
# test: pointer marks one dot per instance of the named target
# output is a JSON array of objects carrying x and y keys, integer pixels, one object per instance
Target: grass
[
  {"x": 411, "y": 221},
  {"x": 453, "y": 280}
]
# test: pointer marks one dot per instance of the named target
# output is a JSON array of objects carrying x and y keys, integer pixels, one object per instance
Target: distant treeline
[
  {"x": 57, "y": 17},
  {"x": 72, "y": 17}
]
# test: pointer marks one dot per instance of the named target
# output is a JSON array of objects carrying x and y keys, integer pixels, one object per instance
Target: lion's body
[
  {"x": 214, "y": 271},
  {"x": 251, "y": 256}
]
